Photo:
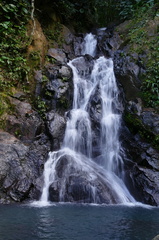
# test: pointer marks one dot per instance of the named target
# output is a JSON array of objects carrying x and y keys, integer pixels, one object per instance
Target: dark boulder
[
  {"x": 21, "y": 123},
  {"x": 141, "y": 167},
  {"x": 77, "y": 43},
  {"x": 127, "y": 73},
  {"x": 56, "y": 127},
  {"x": 57, "y": 91},
  {"x": 108, "y": 43},
  {"x": 20, "y": 166},
  {"x": 76, "y": 180},
  {"x": 84, "y": 65},
  {"x": 150, "y": 119},
  {"x": 58, "y": 55}
]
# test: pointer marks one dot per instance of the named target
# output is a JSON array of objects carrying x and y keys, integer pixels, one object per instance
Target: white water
[
  {"x": 77, "y": 144},
  {"x": 89, "y": 45}
]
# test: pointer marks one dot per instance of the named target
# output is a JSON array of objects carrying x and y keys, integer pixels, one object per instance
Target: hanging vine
[{"x": 32, "y": 16}]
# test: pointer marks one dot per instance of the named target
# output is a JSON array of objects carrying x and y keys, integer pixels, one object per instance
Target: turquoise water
[{"x": 78, "y": 222}]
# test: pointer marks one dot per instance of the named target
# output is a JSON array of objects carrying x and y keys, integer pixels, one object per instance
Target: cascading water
[
  {"x": 73, "y": 173},
  {"x": 89, "y": 45}
]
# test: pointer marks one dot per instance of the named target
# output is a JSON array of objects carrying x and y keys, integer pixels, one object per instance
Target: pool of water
[{"x": 78, "y": 222}]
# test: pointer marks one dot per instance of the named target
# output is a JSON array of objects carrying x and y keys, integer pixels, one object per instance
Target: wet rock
[
  {"x": 38, "y": 77},
  {"x": 147, "y": 181},
  {"x": 95, "y": 116},
  {"x": 58, "y": 87},
  {"x": 84, "y": 65},
  {"x": 68, "y": 42},
  {"x": 61, "y": 166},
  {"x": 57, "y": 54},
  {"x": 109, "y": 43},
  {"x": 65, "y": 71},
  {"x": 52, "y": 71},
  {"x": 26, "y": 123},
  {"x": 67, "y": 35},
  {"x": 11, "y": 157},
  {"x": 135, "y": 107},
  {"x": 127, "y": 67},
  {"x": 78, "y": 45},
  {"x": 142, "y": 167},
  {"x": 56, "y": 127},
  {"x": 20, "y": 96},
  {"x": 127, "y": 73},
  {"x": 54, "y": 193},
  {"x": 20, "y": 166},
  {"x": 150, "y": 120},
  {"x": 77, "y": 181}
]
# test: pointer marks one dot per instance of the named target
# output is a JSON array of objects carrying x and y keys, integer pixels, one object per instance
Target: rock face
[
  {"x": 58, "y": 89},
  {"x": 127, "y": 73},
  {"x": 56, "y": 126},
  {"x": 142, "y": 167},
  {"x": 83, "y": 182},
  {"x": 140, "y": 145},
  {"x": 20, "y": 166},
  {"x": 39, "y": 43},
  {"x": 21, "y": 123},
  {"x": 57, "y": 54},
  {"x": 24, "y": 147}
]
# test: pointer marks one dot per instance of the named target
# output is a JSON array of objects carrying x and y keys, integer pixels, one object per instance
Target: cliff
[{"x": 36, "y": 91}]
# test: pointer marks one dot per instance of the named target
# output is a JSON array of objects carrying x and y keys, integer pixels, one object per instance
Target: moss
[
  {"x": 2, "y": 123},
  {"x": 63, "y": 103},
  {"x": 141, "y": 34},
  {"x": 33, "y": 61},
  {"x": 35, "y": 56},
  {"x": 53, "y": 33},
  {"x": 136, "y": 127},
  {"x": 41, "y": 107},
  {"x": 5, "y": 104},
  {"x": 49, "y": 59},
  {"x": 6, "y": 108}
]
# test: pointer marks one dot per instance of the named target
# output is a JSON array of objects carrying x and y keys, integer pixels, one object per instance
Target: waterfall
[
  {"x": 89, "y": 45},
  {"x": 73, "y": 173}
]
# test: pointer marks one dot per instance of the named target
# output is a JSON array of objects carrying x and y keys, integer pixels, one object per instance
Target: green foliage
[
  {"x": 86, "y": 14},
  {"x": 63, "y": 103},
  {"x": 14, "y": 69},
  {"x": 150, "y": 88},
  {"x": 5, "y": 85},
  {"x": 13, "y": 40},
  {"x": 136, "y": 127},
  {"x": 54, "y": 34},
  {"x": 18, "y": 133},
  {"x": 41, "y": 107},
  {"x": 50, "y": 59},
  {"x": 80, "y": 14},
  {"x": 5, "y": 107},
  {"x": 143, "y": 39},
  {"x": 35, "y": 55},
  {"x": 128, "y": 8}
]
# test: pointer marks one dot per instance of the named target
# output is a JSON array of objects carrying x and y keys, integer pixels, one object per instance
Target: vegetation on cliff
[
  {"x": 17, "y": 61},
  {"x": 29, "y": 74},
  {"x": 141, "y": 34},
  {"x": 13, "y": 43}
]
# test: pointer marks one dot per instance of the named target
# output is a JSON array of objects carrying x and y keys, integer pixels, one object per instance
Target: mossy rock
[{"x": 136, "y": 126}]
